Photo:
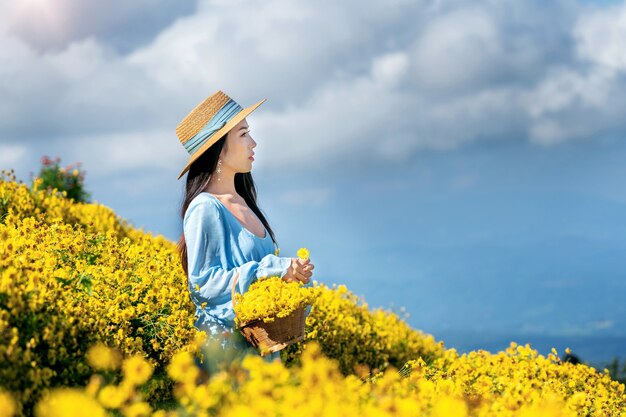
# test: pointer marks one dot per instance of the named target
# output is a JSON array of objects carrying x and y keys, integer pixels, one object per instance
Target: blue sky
[{"x": 463, "y": 160}]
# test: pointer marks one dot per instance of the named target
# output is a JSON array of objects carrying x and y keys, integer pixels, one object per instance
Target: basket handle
[{"x": 232, "y": 291}]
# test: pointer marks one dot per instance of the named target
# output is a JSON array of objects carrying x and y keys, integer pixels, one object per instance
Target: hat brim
[{"x": 217, "y": 135}]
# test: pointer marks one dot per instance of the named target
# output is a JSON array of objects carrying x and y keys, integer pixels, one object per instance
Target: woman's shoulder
[
  {"x": 203, "y": 196},
  {"x": 205, "y": 205}
]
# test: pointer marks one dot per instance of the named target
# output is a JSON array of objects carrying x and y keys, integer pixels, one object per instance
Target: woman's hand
[{"x": 299, "y": 271}]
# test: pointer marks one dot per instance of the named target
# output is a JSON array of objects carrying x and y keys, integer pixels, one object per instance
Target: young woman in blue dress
[{"x": 224, "y": 232}]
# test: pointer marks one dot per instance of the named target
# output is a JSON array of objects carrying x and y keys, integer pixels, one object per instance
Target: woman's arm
[{"x": 208, "y": 253}]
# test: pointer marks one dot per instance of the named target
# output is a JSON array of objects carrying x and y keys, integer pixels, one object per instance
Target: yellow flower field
[{"x": 95, "y": 319}]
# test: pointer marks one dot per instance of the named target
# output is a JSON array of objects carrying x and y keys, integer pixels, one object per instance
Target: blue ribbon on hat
[{"x": 227, "y": 112}]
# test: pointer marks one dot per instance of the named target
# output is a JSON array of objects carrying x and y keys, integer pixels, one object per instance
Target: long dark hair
[{"x": 198, "y": 177}]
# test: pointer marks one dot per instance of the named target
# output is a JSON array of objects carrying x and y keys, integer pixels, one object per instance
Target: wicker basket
[{"x": 275, "y": 335}]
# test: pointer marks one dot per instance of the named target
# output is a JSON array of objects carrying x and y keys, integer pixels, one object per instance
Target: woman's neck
[{"x": 225, "y": 186}]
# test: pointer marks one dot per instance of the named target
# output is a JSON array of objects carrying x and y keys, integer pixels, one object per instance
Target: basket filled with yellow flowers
[{"x": 271, "y": 313}]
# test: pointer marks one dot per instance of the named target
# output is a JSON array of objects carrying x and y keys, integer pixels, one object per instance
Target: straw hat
[{"x": 208, "y": 122}]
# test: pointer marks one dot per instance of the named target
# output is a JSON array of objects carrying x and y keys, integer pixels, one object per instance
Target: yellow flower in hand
[{"x": 303, "y": 253}]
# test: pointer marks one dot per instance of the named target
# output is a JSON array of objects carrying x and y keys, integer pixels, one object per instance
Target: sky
[{"x": 460, "y": 160}]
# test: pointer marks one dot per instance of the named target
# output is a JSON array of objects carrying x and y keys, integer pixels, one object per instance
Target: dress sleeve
[{"x": 208, "y": 256}]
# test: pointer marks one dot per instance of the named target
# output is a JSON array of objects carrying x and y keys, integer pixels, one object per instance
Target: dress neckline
[{"x": 234, "y": 217}]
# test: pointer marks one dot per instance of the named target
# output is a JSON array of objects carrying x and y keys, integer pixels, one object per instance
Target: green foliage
[{"x": 69, "y": 179}]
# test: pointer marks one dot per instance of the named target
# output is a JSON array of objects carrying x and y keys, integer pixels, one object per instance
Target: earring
[{"x": 219, "y": 169}]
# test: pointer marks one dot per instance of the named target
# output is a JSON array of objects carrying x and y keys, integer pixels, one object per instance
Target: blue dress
[{"x": 219, "y": 247}]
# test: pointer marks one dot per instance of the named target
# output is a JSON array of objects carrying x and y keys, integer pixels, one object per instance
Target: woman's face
[{"x": 238, "y": 147}]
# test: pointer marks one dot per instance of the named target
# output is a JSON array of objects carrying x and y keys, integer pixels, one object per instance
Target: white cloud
[
  {"x": 457, "y": 50},
  {"x": 600, "y": 35},
  {"x": 10, "y": 155},
  {"x": 344, "y": 84},
  {"x": 129, "y": 151},
  {"x": 79, "y": 62},
  {"x": 281, "y": 51},
  {"x": 390, "y": 69},
  {"x": 570, "y": 104},
  {"x": 53, "y": 25},
  {"x": 583, "y": 98}
]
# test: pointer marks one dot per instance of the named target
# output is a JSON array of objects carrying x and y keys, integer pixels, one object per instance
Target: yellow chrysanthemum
[
  {"x": 448, "y": 406},
  {"x": 271, "y": 297},
  {"x": 7, "y": 405},
  {"x": 182, "y": 368},
  {"x": 112, "y": 396},
  {"x": 69, "y": 402},
  {"x": 94, "y": 384},
  {"x": 103, "y": 358},
  {"x": 303, "y": 253},
  {"x": 140, "y": 409},
  {"x": 137, "y": 370}
]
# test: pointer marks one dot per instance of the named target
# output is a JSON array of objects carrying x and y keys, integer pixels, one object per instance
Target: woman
[{"x": 224, "y": 231}]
